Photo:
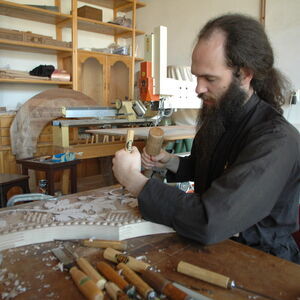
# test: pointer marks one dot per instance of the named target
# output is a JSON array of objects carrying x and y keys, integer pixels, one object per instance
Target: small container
[{"x": 43, "y": 186}]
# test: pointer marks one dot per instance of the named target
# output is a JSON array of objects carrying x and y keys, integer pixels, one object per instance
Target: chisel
[
  {"x": 118, "y": 257},
  {"x": 87, "y": 268},
  {"x": 114, "y": 292},
  {"x": 163, "y": 286},
  {"x": 85, "y": 284},
  {"x": 111, "y": 275},
  {"x": 213, "y": 278},
  {"x": 118, "y": 245},
  {"x": 142, "y": 287},
  {"x": 128, "y": 147}
]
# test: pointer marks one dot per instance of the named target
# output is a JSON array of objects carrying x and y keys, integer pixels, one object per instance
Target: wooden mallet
[{"x": 154, "y": 144}]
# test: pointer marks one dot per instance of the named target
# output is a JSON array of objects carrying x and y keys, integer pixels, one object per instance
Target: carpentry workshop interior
[{"x": 149, "y": 149}]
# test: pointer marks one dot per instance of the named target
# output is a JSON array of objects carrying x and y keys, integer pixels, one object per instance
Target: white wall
[
  {"x": 283, "y": 28},
  {"x": 184, "y": 19}
]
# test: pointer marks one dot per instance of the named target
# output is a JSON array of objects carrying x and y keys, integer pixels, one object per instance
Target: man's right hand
[{"x": 160, "y": 160}]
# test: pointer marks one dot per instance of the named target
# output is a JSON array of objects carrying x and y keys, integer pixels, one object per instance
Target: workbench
[{"x": 33, "y": 267}]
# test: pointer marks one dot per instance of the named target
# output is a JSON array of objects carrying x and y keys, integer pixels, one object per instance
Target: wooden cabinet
[{"x": 113, "y": 74}]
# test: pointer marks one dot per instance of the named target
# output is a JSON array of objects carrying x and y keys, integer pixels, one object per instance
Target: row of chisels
[{"x": 125, "y": 277}]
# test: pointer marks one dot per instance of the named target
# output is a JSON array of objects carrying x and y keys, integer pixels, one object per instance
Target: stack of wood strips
[
  {"x": 14, "y": 74},
  {"x": 28, "y": 36}
]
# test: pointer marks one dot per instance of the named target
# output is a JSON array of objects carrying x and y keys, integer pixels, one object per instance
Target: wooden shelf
[
  {"x": 120, "y": 5},
  {"x": 104, "y": 28},
  {"x": 27, "y": 12},
  {"x": 31, "y": 47},
  {"x": 108, "y": 54},
  {"x": 35, "y": 81}
]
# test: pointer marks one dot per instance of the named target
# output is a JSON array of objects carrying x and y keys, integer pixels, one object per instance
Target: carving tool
[
  {"x": 111, "y": 275},
  {"x": 118, "y": 245},
  {"x": 118, "y": 257},
  {"x": 114, "y": 292},
  {"x": 87, "y": 268},
  {"x": 128, "y": 147},
  {"x": 213, "y": 278},
  {"x": 129, "y": 140},
  {"x": 85, "y": 284},
  {"x": 164, "y": 286},
  {"x": 153, "y": 146},
  {"x": 142, "y": 287}
]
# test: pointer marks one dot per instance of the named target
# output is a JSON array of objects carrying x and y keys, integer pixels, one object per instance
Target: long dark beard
[{"x": 213, "y": 121}]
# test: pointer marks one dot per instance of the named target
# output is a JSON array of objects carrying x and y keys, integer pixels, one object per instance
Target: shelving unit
[{"x": 63, "y": 20}]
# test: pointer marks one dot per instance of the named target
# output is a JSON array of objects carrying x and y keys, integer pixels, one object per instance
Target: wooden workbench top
[
  {"x": 30, "y": 271},
  {"x": 33, "y": 268}
]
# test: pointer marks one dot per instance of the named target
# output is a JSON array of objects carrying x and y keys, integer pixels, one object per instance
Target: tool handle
[
  {"x": 89, "y": 270},
  {"x": 110, "y": 274},
  {"x": 87, "y": 287},
  {"x": 118, "y": 257},
  {"x": 142, "y": 287},
  {"x": 154, "y": 141},
  {"x": 114, "y": 292},
  {"x": 163, "y": 286},
  {"x": 203, "y": 274},
  {"x": 129, "y": 140},
  {"x": 118, "y": 245}
]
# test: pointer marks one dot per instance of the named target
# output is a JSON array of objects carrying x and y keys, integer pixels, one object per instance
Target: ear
[{"x": 246, "y": 76}]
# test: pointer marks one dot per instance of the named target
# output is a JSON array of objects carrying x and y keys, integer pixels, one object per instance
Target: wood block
[
  {"x": 6, "y": 120},
  {"x": 90, "y": 12}
]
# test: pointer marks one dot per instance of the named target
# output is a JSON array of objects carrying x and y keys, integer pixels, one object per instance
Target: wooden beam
[
  {"x": 74, "y": 46},
  {"x": 263, "y": 4}
]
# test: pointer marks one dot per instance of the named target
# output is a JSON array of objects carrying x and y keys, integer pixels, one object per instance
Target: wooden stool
[
  {"x": 7, "y": 181},
  {"x": 49, "y": 167}
]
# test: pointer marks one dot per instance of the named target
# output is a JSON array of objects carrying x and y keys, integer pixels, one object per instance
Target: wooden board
[
  {"x": 171, "y": 133},
  {"x": 102, "y": 214},
  {"x": 36, "y": 113}
]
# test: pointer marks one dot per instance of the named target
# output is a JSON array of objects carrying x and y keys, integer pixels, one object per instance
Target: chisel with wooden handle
[
  {"x": 110, "y": 274},
  {"x": 142, "y": 287},
  {"x": 118, "y": 257},
  {"x": 87, "y": 268},
  {"x": 114, "y": 292},
  {"x": 129, "y": 140},
  {"x": 213, "y": 278},
  {"x": 118, "y": 245},
  {"x": 164, "y": 286},
  {"x": 86, "y": 285}
]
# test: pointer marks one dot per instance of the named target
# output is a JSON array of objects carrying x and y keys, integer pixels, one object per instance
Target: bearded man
[{"x": 245, "y": 159}]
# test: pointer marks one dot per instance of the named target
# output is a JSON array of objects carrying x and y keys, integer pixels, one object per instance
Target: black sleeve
[
  {"x": 185, "y": 169},
  {"x": 241, "y": 197}
]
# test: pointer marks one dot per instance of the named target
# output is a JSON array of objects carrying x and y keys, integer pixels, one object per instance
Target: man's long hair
[{"x": 247, "y": 46}]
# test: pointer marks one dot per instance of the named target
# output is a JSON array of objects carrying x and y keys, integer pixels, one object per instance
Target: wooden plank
[
  {"x": 27, "y": 12},
  {"x": 171, "y": 133},
  {"x": 35, "y": 81},
  {"x": 31, "y": 47},
  {"x": 121, "y": 5}
]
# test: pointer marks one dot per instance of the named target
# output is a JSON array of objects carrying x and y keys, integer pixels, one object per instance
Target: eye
[{"x": 210, "y": 79}]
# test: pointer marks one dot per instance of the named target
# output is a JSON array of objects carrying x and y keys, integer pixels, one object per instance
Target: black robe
[{"x": 250, "y": 186}]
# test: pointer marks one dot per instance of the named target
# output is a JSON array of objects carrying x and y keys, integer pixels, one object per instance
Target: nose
[{"x": 201, "y": 86}]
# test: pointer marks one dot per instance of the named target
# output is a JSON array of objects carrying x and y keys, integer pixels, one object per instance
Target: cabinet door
[
  {"x": 92, "y": 76},
  {"x": 119, "y": 73}
]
